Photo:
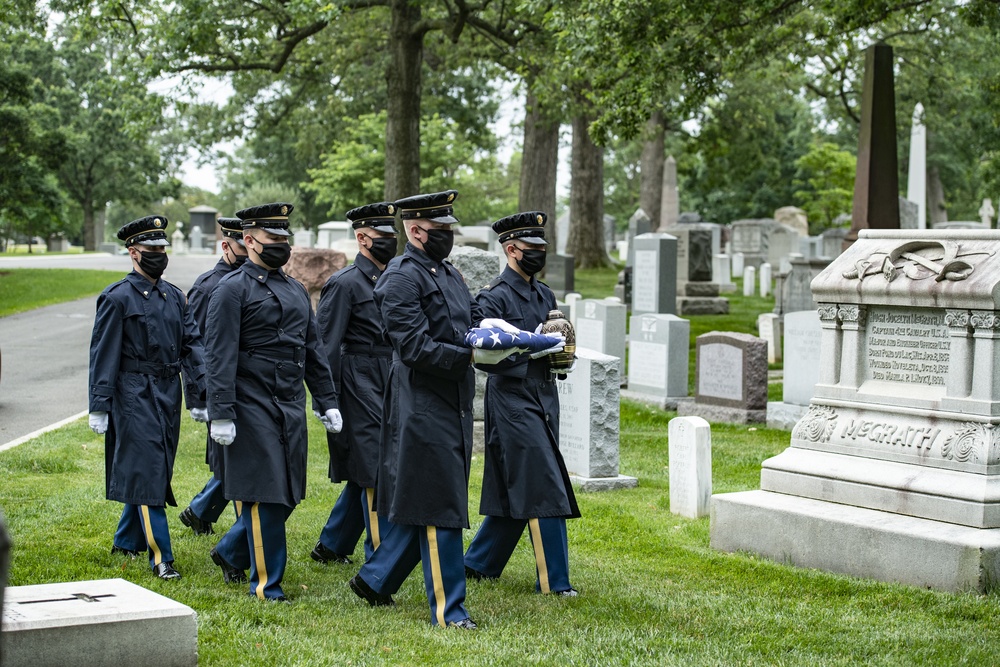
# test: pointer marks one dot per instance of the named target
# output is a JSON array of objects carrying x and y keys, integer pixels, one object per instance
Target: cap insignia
[
  {"x": 539, "y": 218},
  {"x": 284, "y": 210},
  {"x": 392, "y": 209},
  {"x": 157, "y": 222},
  {"x": 450, "y": 197}
]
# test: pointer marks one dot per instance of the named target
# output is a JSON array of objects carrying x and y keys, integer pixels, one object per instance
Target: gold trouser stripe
[
  {"x": 536, "y": 542},
  {"x": 238, "y": 504},
  {"x": 436, "y": 578},
  {"x": 258, "y": 549},
  {"x": 150, "y": 540},
  {"x": 373, "y": 519}
]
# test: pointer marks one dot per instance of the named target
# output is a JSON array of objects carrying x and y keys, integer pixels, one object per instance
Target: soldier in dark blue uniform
[
  {"x": 426, "y": 441},
  {"x": 525, "y": 482},
  {"x": 144, "y": 336},
  {"x": 206, "y": 507},
  {"x": 359, "y": 353},
  {"x": 261, "y": 345}
]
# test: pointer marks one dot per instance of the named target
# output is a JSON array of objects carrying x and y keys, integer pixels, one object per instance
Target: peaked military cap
[
  {"x": 528, "y": 226},
  {"x": 272, "y": 218},
  {"x": 232, "y": 228},
  {"x": 151, "y": 231},
  {"x": 381, "y": 217},
  {"x": 436, "y": 207}
]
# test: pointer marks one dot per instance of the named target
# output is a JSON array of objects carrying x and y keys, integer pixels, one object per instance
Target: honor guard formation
[{"x": 388, "y": 358}]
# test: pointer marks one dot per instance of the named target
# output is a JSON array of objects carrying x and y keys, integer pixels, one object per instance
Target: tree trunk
[
  {"x": 936, "y": 209},
  {"x": 586, "y": 200},
  {"x": 539, "y": 164},
  {"x": 651, "y": 168},
  {"x": 402, "y": 131},
  {"x": 89, "y": 233}
]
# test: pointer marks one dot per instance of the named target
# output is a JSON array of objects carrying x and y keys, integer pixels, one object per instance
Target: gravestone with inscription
[
  {"x": 797, "y": 288},
  {"x": 690, "y": 450},
  {"x": 654, "y": 274},
  {"x": 801, "y": 351},
  {"x": 782, "y": 241},
  {"x": 600, "y": 326},
  {"x": 750, "y": 238},
  {"x": 697, "y": 294},
  {"x": 589, "y": 406},
  {"x": 893, "y": 472},
  {"x": 91, "y": 623},
  {"x": 638, "y": 224},
  {"x": 730, "y": 379},
  {"x": 833, "y": 242},
  {"x": 658, "y": 359}
]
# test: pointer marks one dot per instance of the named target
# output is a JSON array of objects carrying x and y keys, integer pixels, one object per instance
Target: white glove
[
  {"x": 492, "y": 357},
  {"x": 558, "y": 347},
  {"x": 200, "y": 415},
  {"x": 99, "y": 422},
  {"x": 223, "y": 431},
  {"x": 564, "y": 371},
  {"x": 497, "y": 323},
  {"x": 332, "y": 421}
]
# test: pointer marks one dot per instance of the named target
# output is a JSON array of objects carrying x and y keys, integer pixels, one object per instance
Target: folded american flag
[{"x": 492, "y": 338}]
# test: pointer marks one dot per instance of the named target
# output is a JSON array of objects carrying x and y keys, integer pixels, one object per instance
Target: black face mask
[
  {"x": 153, "y": 264},
  {"x": 383, "y": 249},
  {"x": 532, "y": 261},
  {"x": 439, "y": 243},
  {"x": 274, "y": 254},
  {"x": 238, "y": 260}
]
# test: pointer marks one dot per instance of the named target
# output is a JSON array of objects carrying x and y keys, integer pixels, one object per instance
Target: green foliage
[
  {"x": 742, "y": 163},
  {"x": 351, "y": 173},
  {"x": 826, "y": 176},
  {"x": 25, "y": 289}
]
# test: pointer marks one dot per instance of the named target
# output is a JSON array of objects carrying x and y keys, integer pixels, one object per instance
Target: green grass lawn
[
  {"x": 652, "y": 591},
  {"x": 25, "y": 289}
]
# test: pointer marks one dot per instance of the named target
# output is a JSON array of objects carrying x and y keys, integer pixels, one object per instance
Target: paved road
[{"x": 45, "y": 351}]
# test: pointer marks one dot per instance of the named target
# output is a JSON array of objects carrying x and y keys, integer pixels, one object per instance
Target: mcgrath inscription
[{"x": 911, "y": 347}]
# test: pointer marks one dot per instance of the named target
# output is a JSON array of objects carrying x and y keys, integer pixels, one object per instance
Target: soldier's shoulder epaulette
[
  {"x": 496, "y": 281},
  {"x": 116, "y": 285}
]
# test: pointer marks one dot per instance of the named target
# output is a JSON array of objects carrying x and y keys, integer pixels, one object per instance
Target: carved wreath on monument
[
  {"x": 972, "y": 442},
  {"x": 917, "y": 260},
  {"x": 817, "y": 425}
]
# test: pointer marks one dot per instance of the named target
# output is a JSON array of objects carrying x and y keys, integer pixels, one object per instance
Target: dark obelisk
[{"x": 876, "y": 181}]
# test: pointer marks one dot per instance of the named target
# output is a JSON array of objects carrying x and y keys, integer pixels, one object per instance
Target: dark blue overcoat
[
  {"x": 144, "y": 336},
  {"x": 359, "y": 354},
  {"x": 524, "y": 476},
  {"x": 426, "y": 442},
  {"x": 260, "y": 346}
]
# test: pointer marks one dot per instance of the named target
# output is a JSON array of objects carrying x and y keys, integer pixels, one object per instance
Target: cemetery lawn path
[
  {"x": 652, "y": 592},
  {"x": 25, "y": 289}
]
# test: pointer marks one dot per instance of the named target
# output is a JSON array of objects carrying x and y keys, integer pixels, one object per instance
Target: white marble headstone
[
  {"x": 749, "y": 278},
  {"x": 690, "y": 452}
]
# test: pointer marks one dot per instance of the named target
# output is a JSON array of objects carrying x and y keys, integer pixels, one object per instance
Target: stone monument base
[
  {"x": 664, "y": 403},
  {"x": 702, "y": 305},
  {"x": 784, "y": 416},
  {"x": 103, "y": 622},
  {"x": 856, "y": 541},
  {"x": 719, "y": 413},
  {"x": 587, "y": 484},
  {"x": 697, "y": 288}
]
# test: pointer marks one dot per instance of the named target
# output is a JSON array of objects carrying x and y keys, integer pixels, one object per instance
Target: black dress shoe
[
  {"x": 191, "y": 520},
  {"x": 367, "y": 593},
  {"x": 477, "y": 575},
  {"x": 568, "y": 593},
  {"x": 464, "y": 624},
  {"x": 116, "y": 550},
  {"x": 280, "y": 598},
  {"x": 166, "y": 571},
  {"x": 230, "y": 573},
  {"x": 321, "y": 554}
]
